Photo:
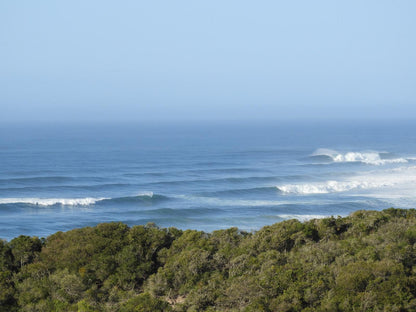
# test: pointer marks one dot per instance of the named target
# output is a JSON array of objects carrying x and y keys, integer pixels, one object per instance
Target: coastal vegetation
[{"x": 363, "y": 262}]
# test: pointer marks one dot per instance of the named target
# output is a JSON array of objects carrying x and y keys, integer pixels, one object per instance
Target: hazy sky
[{"x": 138, "y": 60}]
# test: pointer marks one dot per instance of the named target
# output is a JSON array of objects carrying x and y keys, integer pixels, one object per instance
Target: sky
[{"x": 100, "y": 60}]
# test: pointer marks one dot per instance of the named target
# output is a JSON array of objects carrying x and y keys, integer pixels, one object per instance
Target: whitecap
[
  {"x": 369, "y": 157},
  {"x": 329, "y": 187},
  {"x": 52, "y": 201},
  {"x": 301, "y": 217},
  {"x": 145, "y": 194}
]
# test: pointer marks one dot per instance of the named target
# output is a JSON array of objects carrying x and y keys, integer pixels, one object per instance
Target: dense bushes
[{"x": 364, "y": 262}]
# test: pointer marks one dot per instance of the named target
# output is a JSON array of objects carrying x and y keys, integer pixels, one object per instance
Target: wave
[
  {"x": 52, "y": 201},
  {"x": 329, "y": 187},
  {"x": 50, "y": 179},
  {"x": 221, "y": 170},
  {"x": 255, "y": 190},
  {"x": 219, "y": 180},
  {"x": 146, "y": 197},
  {"x": 53, "y": 179},
  {"x": 301, "y": 217},
  {"x": 227, "y": 202},
  {"x": 370, "y": 158},
  {"x": 81, "y": 187}
]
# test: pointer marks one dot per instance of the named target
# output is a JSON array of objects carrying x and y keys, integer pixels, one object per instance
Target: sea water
[{"x": 205, "y": 175}]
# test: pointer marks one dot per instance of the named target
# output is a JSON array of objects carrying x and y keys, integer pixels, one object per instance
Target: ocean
[{"x": 200, "y": 175}]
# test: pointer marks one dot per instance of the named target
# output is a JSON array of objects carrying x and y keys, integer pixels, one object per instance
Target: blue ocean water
[{"x": 205, "y": 176}]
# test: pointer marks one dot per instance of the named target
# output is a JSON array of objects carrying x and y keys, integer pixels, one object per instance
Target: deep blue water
[{"x": 206, "y": 176}]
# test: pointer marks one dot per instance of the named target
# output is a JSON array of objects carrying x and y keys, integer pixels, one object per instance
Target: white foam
[
  {"x": 371, "y": 158},
  {"x": 301, "y": 217},
  {"x": 330, "y": 187},
  {"x": 52, "y": 201},
  {"x": 386, "y": 183},
  {"x": 146, "y": 193}
]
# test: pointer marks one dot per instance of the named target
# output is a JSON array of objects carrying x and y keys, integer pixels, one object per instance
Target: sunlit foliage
[{"x": 363, "y": 262}]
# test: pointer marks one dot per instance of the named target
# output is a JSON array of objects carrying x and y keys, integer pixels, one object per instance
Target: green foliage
[
  {"x": 145, "y": 303},
  {"x": 6, "y": 257},
  {"x": 280, "y": 236},
  {"x": 363, "y": 262},
  {"x": 7, "y": 290},
  {"x": 25, "y": 249}
]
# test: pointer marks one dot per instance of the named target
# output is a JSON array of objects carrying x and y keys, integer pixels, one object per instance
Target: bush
[{"x": 364, "y": 262}]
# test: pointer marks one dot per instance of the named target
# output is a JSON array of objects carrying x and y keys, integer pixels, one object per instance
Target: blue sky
[{"x": 191, "y": 60}]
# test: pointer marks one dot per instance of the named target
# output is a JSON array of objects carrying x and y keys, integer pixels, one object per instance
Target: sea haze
[{"x": 203, "y": 176}]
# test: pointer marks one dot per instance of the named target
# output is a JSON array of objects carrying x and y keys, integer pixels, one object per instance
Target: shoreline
[{"x": 287, "y": 217}]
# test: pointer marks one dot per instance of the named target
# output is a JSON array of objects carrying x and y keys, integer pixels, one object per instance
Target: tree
[{"x": 25, "y": 249}]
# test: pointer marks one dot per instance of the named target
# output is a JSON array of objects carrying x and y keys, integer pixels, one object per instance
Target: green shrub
[{"x": 363, "y": 262}]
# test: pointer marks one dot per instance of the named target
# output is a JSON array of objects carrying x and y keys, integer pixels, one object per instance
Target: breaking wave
[
  {"x": 51, "y": 201},
  {"x": 301, "y": 217},
  {"x": 146, "y": 197},
  {"x": 371, "y": 158},
  {"x": 329, "y": 187}
]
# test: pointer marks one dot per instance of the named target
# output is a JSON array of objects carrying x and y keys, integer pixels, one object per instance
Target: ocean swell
[
  {"x": 242, "y": 192},
  {"x": 52, "y": 201},
  {"x": 370, "y": 158},
  {"x": 146, "y": 197},
  {"x": 328, "y": 187}
]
